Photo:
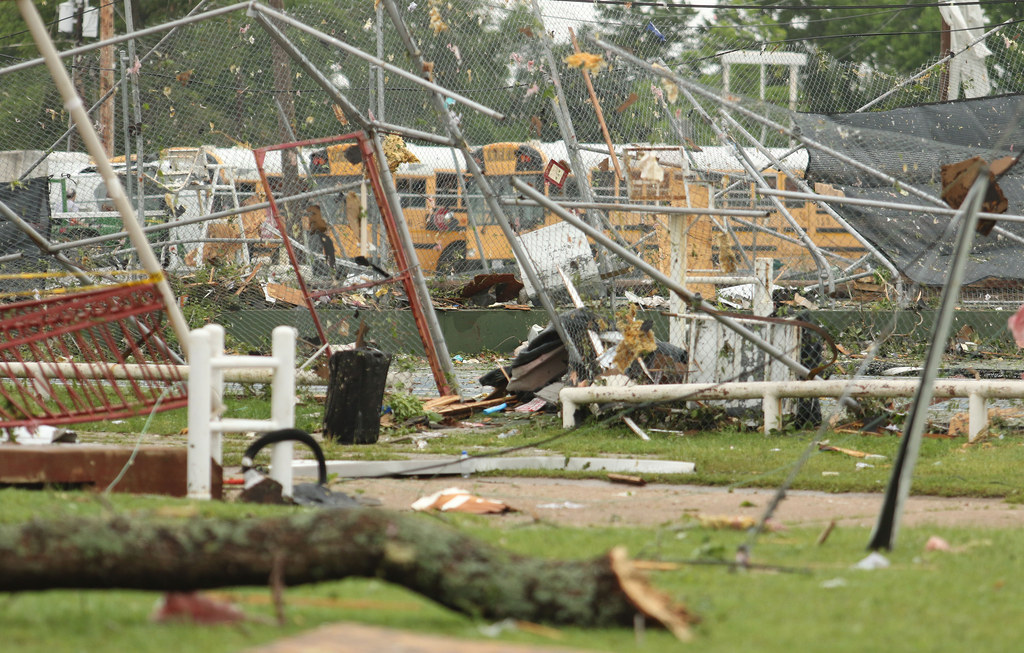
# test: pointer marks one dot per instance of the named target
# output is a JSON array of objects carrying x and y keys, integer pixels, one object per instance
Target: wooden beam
[{"x": 597, "y": 109}]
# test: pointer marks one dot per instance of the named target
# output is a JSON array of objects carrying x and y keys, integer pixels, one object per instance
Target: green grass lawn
[
  {"x": 967, "y": 599},
  {"x": 728, "y": 457},
  {"x": 927, "y": 601}
]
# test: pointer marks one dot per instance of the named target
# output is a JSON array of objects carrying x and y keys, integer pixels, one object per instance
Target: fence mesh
[{"x": 190, "y": 104}]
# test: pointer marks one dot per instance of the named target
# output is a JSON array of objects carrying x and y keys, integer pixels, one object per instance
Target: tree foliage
[{"x": 212, "y": 82}]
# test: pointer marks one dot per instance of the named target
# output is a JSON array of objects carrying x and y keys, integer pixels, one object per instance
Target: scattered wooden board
[
  {"x": 285, "y": 294},
  {"x": 459, "y": 410},
  {"x": 440, "y": 402}
]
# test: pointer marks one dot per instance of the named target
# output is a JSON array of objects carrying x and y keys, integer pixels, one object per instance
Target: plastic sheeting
[{"x": 911, "y": 144}]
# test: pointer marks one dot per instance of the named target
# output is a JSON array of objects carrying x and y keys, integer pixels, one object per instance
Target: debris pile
[{"x": 628, "y": 353}]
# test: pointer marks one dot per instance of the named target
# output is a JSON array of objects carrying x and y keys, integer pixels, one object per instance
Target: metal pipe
[
  {"x": 134, "y": 371},
  {"x": 437, "y": 349},
  {"x": 140, "y": 181},
  {"x": 654, "y": 273},
  {"x": 485, "y": 188},
  {"x": 73, "y": 104},
  {"x": 470, "y": 214},
  {"x": 650, "y": 208},
  {"x": 881, "y": 204},
  {"x": 408, "y": 132},
  {"x": 781, "y": 167},
  {"x": 126, "y": 130},
  {"x": 884, "y": 533},
  {"x": 395, "y": 70},
  {"x": 927, "y": 71},
  {"x": 378, "y": 31}
]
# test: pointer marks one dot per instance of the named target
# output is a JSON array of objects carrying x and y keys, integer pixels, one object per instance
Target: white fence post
[
  {"x": 206, "y": 425},
  {"x": 282, "y": 404},
  {"x": 199, "y": 414}
]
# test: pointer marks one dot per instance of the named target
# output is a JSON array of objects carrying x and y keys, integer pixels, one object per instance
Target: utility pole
[
  {"x": 76, "y": 65},
  {"x": 107, "y": 77}
]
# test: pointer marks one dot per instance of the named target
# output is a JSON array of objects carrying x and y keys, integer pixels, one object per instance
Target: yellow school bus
[{"x": 438, "y": 208}]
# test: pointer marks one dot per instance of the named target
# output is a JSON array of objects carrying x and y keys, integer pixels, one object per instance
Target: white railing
[
  {"x": 206, "y": 426},
  {"x": 771, "y": 392}
]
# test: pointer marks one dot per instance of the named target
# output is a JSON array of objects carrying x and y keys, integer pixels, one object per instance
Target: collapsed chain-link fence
[{"x": 703, "y": 182}]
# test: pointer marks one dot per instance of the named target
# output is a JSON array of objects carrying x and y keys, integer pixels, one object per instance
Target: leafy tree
[{"x": 852, "y": 48}]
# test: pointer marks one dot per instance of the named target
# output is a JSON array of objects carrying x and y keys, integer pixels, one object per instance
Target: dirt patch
[
  {"x": 356, "y": 638},
  {"x": 599, "y": 503}
]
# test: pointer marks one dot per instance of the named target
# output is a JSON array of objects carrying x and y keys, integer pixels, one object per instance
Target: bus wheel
[{"x": 453, "y": 259}]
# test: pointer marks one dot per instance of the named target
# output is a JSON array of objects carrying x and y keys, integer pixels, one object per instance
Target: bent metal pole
[
  {"x": 74, "y": 105},
  {"x": 656, "y": 274},
  {"x": 883, "y": 536}
]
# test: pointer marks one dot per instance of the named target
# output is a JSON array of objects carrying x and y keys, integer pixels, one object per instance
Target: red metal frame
[
  {"x": 401, "y": 256},
  {"x": 116, "y": 324}
]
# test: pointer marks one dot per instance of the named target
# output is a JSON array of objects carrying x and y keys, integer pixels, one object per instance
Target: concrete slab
[{"x": 452, "y": 466}]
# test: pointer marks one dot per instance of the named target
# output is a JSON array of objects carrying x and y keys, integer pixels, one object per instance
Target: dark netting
[{"x": 911, "y": 144}]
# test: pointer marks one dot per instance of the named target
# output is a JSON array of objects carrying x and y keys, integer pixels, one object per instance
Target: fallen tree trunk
[{"x": 423, "y": 555}]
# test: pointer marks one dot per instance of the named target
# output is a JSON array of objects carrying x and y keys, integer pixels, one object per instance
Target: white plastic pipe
[
  {"x": 199, "y": 391},
  {"x": 232, "y": 373},
  {"x": 282, "y": 404},
  {"x": 216, "y": 332},
  {"x": 978, "y": 391}
]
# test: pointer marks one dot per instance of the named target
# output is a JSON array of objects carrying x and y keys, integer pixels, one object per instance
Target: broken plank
[
  {"x": 626, "y": 479},
  {"x": 285, "y": 294},
  {"x": 635, "y": 428},
  {"x": 249, "y": 278},
  {"x": 463, "y": 410},
  {"x": 440, "y": 402}
]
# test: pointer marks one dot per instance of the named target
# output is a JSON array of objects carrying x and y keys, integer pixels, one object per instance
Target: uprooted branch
[{"x": 427, "y": 557}]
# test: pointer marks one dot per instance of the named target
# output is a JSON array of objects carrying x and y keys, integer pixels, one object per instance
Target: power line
[
  {"x": 856, "y": 35},
  {"x": 913, "y": 5},
  {"x": 704, "y": 27}
]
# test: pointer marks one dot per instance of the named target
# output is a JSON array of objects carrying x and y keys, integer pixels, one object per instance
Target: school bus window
[
  {"x": 739, "y": 197},
  {"x": 790, "y": 185},
  {"x": 319, "y": 164},
  {"x": 603, "y": 182},
  {"x": 447, "y": 189},
  {"x": 413, "y": 192},
  {"x": 520, "y": 217},
  {"x": 765, "y": 201},
  {"x": 476, "y": 203},
  {"x": 530, "y": 217}
]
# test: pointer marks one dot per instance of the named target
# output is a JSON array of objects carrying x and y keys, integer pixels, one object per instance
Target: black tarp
[{"x": 911, "y": 144}]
